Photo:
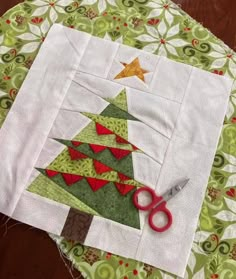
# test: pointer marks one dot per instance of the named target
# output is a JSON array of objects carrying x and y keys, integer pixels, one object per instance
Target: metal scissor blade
[{"x": 175, "y": 190}]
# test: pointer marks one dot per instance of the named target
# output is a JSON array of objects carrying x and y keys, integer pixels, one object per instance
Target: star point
[{"x": 132, "y": 69}]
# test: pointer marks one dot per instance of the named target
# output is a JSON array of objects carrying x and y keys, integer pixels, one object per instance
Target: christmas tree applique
[{"x": 96, "y": 166}]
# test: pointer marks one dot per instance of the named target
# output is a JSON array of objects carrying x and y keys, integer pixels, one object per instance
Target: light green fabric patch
[
  {"x": 45, "y": 187},
  {"x": 120, "y": 100},
  {"x": 89, "y": 135},
  {"x": 118, "y": 126}
]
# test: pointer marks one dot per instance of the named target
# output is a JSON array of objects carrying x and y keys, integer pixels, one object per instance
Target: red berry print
[
  {"x": 125, "y": 24},
  {"x": 117, "y": 28},
  {"x": 6, "y": 77},
  {"x": 135, "y": 272},
  {"x": 108, "y": 256},
  {"x": 162, "y": 41},
  {"x": 232, "y": 191},
  {"x": 114, "y": 17},
  {"x": 153, "y": 21},
  {"x": 8, "y": 21},
  {"x": 120, "y": 262},
  {"x": 37, "y": 20},
  {"x": 218, "y": 72},
  {"x": 187, "y": 29},
  {"x": 125, "y": 277},
  {"x": 126, "y": 264}
]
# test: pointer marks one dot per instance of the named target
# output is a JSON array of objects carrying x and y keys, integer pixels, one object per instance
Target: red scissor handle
[
  {"x": 154, "y": 210},
  {"x": 149, "y": 206},
  {"x": 161, "y": 208}
]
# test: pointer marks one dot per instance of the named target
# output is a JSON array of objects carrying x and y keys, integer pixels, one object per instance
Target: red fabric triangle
[
  {"x": 124, "y": 188},
  {"x": 76, "y": 143},
  {"x": 123, "y": 177},
  {"x": 97, "y": 148},
  {"x": 71, "y": 178},
  {"x": 100, "y": 168},
  {"x": 51, "y": 173},
  {"x": 95, "y": 183},
  {"x": 75, "y": 154},
  {"x": 101, "y": 130},
  {"x": 119, "y": 153},
  {"x": 121, "y": 140},
  {"x": 134, "y": 147}
]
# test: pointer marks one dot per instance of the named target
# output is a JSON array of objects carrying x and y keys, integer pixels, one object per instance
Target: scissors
[{"x": 158, "y": 204}]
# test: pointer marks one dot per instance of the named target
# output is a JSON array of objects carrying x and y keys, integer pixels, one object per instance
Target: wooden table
[{"x": 30, "y": 253}]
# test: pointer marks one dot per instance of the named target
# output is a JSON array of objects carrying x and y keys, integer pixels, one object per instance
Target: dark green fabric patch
[
  {"x": 113, "y": 111},
  {"x": 107, "y": 201}
]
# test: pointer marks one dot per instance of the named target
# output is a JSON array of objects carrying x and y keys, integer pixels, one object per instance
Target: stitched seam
[
  {"x": 113, "y": 59},
  {"x": 146, "y": 92},
  {"x": 154, "y": 72},
  {"x": 196, "y": 143},
  {"x": 71, "y": 43}
]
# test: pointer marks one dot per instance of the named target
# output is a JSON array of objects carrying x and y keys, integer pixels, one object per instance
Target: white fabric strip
[
  {"x": 169, "y": 80},
  {"x": 113, "y": 237},
  {"x": 191, "y": 143},
  {"x": 146, "y": 170},
  {"x": 32, "y": 115},
  {"x": 41, "y": 213},
  {"x": 81, "y": 99}
]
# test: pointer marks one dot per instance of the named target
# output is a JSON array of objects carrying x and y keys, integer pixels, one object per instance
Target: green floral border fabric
[{"x": 160, "y": 27}]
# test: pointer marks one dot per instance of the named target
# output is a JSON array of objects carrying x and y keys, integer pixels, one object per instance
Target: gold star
[{"x": 132, "y": 69}]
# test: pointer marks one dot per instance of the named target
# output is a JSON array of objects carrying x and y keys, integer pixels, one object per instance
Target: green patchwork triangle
[
  {"x": 45, "y": 187},
  {"x": 113, "y": 111},
  {"x": 118, "y": 126},
  {"x": 89, "y": 135},
  {"x": 120, "y": 100}
]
